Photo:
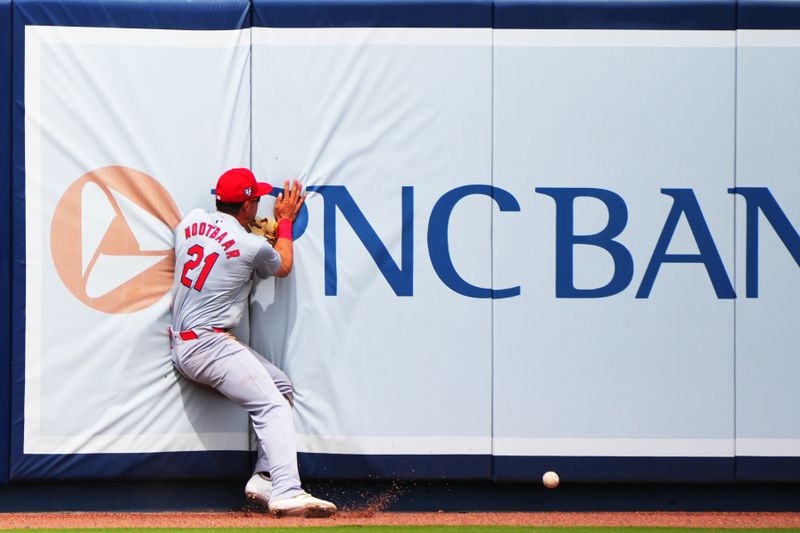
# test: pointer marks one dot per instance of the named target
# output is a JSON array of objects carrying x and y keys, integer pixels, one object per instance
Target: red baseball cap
[{"x": 239, "y": 185}]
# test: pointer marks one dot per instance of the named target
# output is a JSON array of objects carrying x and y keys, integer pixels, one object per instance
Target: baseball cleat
[
  {"x": 304, "y": 505},
  {"x": 259, "y": 489}
]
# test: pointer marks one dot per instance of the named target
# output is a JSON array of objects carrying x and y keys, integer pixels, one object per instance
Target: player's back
[{"x": 213, "y": 270}]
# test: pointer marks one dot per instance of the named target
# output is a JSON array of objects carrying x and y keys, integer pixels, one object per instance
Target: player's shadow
[
  {"x": 272, "y": 318},
  {"x": 218, "y": 422}
]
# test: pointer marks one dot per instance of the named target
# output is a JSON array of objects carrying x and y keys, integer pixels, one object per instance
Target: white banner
[
  {"x": 767, "y": 337},
  {"x": 124, "y": 130},
  {"x": 619, "y": 147}
]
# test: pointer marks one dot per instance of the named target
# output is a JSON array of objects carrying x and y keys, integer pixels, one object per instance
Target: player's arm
[{"x": 286, "y": 208}]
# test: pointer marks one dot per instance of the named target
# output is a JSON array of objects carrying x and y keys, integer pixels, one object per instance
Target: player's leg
[
  {"x": 259, "y": 486},
  {"x": 222, "y": 362},
  {"x": 302, "y": 504},
  {"x": 284, "y": 385},
  {"x": 280, "y": 378}
]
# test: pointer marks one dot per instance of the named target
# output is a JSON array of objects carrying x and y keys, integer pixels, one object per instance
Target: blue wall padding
[
  {"x": 372, "y": 13},
  {"x": 17, "y": 238},
  {"x": 767, "y": 469},
  {"x": 5, "y": 259},
  {"x": 138, "y": 466},
  {"x": 16, "y": 200},
  {"x": 616, "y": 14},
  {"x": 617, "y": 469},
  {"x": 346, "y": 466},
  {"x": 184, "y": 15},
  {"x": 769, "y": 14}
]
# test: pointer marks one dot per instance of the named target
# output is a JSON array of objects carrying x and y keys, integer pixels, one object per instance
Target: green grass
[{"x": 415, "y": 529}]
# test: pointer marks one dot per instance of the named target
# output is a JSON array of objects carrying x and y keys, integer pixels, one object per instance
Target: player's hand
[{"x": 289, "y": 201}]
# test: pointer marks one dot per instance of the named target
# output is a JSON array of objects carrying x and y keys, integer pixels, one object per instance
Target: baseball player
[{"x": 215, "y": 259}]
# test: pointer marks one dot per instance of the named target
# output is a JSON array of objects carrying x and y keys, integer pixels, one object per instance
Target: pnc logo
[{"x": 112, "y": 239}]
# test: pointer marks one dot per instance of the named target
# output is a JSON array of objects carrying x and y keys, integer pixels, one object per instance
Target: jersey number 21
[{"x": 198, "y": 256}]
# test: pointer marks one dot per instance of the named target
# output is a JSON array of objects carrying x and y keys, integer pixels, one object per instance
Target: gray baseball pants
[{"x": 238, "y": 372}]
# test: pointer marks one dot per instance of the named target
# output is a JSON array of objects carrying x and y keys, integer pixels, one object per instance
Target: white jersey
[{"x": 215, "y": 258}]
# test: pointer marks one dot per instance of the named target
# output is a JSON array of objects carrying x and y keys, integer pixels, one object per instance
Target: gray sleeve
[{"x": 267, "y": 261}]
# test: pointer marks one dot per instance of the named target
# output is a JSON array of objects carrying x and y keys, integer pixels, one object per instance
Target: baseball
[{"x": 550, "y": 479}]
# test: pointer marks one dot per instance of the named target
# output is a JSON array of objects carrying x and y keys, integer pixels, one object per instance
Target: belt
[{"x": 190, "y": 334}]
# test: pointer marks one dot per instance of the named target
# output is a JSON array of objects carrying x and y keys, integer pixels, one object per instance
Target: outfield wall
[
  {"x": 539, "y": 235},
  {"x": 5, "y": 263}
]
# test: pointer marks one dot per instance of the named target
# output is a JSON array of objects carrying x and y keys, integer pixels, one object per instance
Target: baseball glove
[{"x": 265, "y": 227}]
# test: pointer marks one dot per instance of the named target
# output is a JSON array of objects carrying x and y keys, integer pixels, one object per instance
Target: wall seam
[
  {"x": 491, "y": 241},
  {"x": 735, "y": 236},
  {"x": 252, "y": 443}
]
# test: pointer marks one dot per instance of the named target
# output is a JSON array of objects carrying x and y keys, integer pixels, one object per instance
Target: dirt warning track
[{"x": 251, "y": 519}]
